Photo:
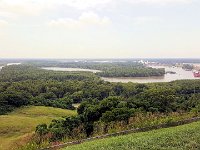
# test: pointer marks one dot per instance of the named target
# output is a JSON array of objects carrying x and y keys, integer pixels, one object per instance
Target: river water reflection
[
  {"x": 70, "y": 69},
  {"x": 9, "y": 64},
  {"x": 180, "y": 75}
]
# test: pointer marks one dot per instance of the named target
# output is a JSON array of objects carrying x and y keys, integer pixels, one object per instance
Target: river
[
  {"x": 9, "y": 64},
  {"x": 70, "y": 69},
  {"x": 180, "y": 74}
]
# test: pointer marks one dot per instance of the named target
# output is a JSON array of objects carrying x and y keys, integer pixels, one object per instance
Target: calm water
[
  {"x": 70, "y": 69},
  {"x": 180, "y": 74},
  {"x": 9, "y": 64}
]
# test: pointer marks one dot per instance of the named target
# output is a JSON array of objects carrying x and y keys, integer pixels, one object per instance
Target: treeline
[
  {"x": 131, "y": 72},
  {"x": 16, "y": 73},
  {"x": 123, "y": 102},
  {"x": 25, "y": 85},
  {"x": 110, "y": 69},
  {"x": 188, "y": 67},
  {"x": 86, "y": 64}
]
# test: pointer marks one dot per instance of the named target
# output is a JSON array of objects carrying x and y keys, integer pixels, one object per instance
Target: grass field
[
  {"x": 186, "y": 137},
  {"x": 22, "y": 122}
]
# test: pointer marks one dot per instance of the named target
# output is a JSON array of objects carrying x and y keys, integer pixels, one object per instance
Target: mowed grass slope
[
  {"x": 22, "y": 122},
  {"x": 185, "y": 137}
]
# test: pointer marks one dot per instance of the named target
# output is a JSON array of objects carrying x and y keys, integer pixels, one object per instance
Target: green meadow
[
  {"x": 185, "y": 137},
  {"x": 20, "y": 124}
]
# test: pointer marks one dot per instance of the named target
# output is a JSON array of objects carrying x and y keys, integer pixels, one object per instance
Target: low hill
[
  {"x": 21, "y": 123},
  {"x": 185, "y": 137}
]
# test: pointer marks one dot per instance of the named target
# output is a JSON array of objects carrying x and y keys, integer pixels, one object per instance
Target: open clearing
[{"x": 21, "y": 123}]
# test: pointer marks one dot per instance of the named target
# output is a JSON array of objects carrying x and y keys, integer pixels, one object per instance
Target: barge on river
[{"x": 196, "y": 74}]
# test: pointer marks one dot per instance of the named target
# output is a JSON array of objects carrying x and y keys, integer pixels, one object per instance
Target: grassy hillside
[
  {"x": 21, "y": 123},
  {"x": 176, "y": 138}
]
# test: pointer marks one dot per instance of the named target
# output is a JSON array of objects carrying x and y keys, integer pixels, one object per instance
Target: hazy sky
[{"x": 99, "y": 28}]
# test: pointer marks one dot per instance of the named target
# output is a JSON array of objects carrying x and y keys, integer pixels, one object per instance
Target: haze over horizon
[{"x": 99, "y": 28}]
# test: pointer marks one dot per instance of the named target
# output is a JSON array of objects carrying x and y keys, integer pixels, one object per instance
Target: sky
[{"x": 99, "y": 28}]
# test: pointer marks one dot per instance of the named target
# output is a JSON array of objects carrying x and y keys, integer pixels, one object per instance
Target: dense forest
[
  {"x": 123, "y": 101},
  {"x": 108, "y": 69},
  {"x": 24, "y": 85},
  {"x": 101, "y": 102}
]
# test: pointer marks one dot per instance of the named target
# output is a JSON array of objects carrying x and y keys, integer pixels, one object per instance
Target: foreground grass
[
  {"x": 186, "y": 137},
  {"x": 21, "y": 123}
]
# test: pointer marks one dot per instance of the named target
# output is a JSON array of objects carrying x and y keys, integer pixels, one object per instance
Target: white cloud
[
  {"x": 23, "y": 7},
  {"x": 36, "y": 7},
  {"x": 88, "y": 18},
  {"x": 85, "y": 19},
  {"x": 3, "y": 23},
  {"x": 84, "y": 4}
]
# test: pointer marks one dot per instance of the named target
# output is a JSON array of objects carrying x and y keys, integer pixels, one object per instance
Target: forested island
[
  {"x": 104, "y": 107},
  {"x": 108, "y": 69},
  {"x": 188, "y": 67}
]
